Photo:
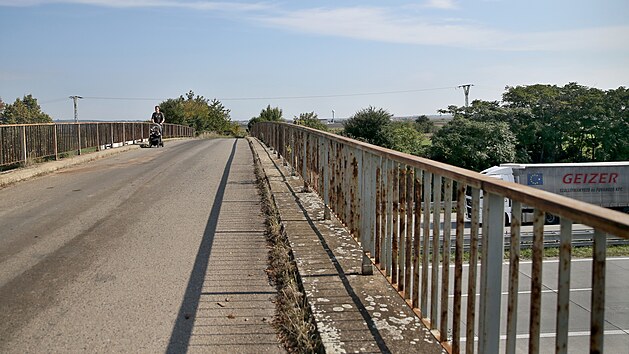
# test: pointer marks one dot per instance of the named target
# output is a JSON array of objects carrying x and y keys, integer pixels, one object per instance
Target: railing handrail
[{"x": 610, "y": 221}]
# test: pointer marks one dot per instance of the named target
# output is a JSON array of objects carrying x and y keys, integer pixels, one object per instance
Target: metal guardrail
[
  {"x": 379, "y": 195},
  {"x": 20, "y": 143}
]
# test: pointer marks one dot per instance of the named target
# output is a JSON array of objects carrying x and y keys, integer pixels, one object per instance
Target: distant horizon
[{"x": 430, "y": 116}]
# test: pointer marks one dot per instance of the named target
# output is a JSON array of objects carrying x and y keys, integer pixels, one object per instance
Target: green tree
[
  {"x": 174, "y": 112},
  {"x": 369, "y": 125},
  {"x": 311, "y": 120},
  {"x": 24, "y": 111},
  {"x": 403, "y": 137},
  {"x": 472, "y": 144},
  {"x": 423, "y": 124},
  {"x": 519, "y": 120},
  {"x": 198, "y": 112},
  {"x": 570, "y": 123},
  {"x": 614, "y": 131},
  {"x": 218, "y": 117},
  {"x": 268, "y": 114},
  {"x": 271, "y": 114}
]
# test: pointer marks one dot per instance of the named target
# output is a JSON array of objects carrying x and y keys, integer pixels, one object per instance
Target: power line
[
  {"x": 279, "y": 97},
  {"x": 124, "y": 98},
  {"x": 334, "y": 95}
]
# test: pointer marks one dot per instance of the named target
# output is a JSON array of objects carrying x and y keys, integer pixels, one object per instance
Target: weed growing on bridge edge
[{"x": 294, "y": 321}]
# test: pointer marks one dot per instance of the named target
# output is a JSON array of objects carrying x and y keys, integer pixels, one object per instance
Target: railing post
[
  {"x": 514, "y": 276},
  {"x": 563, "y": 286},
  {"x": 326, "y": 179},
  {"x": 78, "y": 134},
  {"x": 304, "y": 164},
  {"x": 54, "y": 126},
  {"x": 491, "y": 273},
  {"x": 364, "y": 212},
  {"x": 97, "y": 136},
  {"x": 597, "y": 316},
  {"x": 434, "y": 280},
  {"x": 24, "y": 150}
]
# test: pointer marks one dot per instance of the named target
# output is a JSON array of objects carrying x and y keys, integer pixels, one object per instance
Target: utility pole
[
  {"x": 76, "y": 121},
  {"x": 75, "y": 98},
  {"x": 466, "y": 90}
]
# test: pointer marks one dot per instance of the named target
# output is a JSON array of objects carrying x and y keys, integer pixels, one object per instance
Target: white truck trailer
[{"x": 605, "y": 184}]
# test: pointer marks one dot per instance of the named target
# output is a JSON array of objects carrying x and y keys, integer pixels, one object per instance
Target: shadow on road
[{"x": 182, "y": 331}]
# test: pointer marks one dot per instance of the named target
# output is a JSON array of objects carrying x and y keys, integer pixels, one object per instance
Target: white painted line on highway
[
  {"x": 614, "y": 332},
  {"x": 548, "y": 261},
  {"x": 528, "y": 291},
  {"x": 576, "y": 260}
]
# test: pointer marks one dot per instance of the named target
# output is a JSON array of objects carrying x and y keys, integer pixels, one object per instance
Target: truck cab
[{"x": 502, "y": 172}]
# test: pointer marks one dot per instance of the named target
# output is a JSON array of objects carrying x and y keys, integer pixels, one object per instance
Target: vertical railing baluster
[
  {"x": 597, "y": 316},
  {"x": 445, "y": 260},
  {"x": 563, "y": 287},
  {"x": 386, "y": 220},
  {"x": 436, "y": 221},
  {"x": 461, "y": 209},
  {"x": 417, "y": 251},
  {"x": 471, "y": 280},
  {"x": 378, "y": 222},
  {"x": 396, "y": 223},
  {"x": 514, "y": 276},
  {"x": 410, "y": 173},
  {"x": 426, "y": 198},
  {"x": 491, "y": 286},
  {"x": 536, "y": 281},
  {"x": 402, "y": 234}
]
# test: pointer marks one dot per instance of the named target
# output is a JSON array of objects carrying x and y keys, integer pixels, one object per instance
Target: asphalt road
[
  {"x": 616, "y": 305},
  {"x": 98, "y": 257}
]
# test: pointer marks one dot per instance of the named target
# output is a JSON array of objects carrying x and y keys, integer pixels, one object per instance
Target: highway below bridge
[{"x": 115, "y": 255}]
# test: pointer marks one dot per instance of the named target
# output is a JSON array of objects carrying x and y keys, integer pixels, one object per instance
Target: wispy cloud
[
  {"x": 442, "y": 4},
  {"x": 389, "y": 25},
  {"x": 197, "y": 5},
  {"x": 380, "y": 25}
]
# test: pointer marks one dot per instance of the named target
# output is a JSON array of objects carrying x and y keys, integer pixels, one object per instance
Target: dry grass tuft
[{"x": 294, "y": 322}]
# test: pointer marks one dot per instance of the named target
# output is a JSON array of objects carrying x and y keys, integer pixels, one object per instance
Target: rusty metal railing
[
  {"x": 384, "y": 198},
  {"x": 23, "y": 142}
]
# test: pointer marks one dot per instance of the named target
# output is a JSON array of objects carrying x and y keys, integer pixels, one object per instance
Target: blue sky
[{"x": 125, "y": 56}]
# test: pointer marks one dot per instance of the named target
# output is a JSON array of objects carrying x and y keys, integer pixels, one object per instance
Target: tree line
[
  {"x": 191, "y": 110},
  {"x": 537, "y": 124},
  {"x": 532, "y": 124}
]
